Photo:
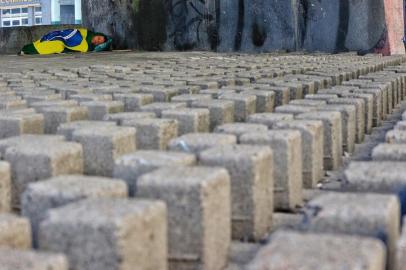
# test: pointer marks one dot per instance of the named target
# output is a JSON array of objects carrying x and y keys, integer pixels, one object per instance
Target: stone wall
[{"x": 250, "y": 25}]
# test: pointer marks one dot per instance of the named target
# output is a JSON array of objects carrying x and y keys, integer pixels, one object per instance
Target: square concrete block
[
  {"x": 359, "y": 105},
  {"x": 286, "y": 145},
  {"x": 190, "y": 120},
  {"x": 245, "y": 105},
  {"x": 202, "y": 240},
  {"x": 239, "y": 129},
  {"x": 333, "y": 140},
  {"x": 198, "y": 142},
  {"x": 282, "y": 94},
  {"x": 348, "y": 124},
  {"x": 119, "y": 118},
  {"x": 401, "y": 249},
  {"x": 294, "y": 109},
  {"x": 102, "y": 234},
  {"x": 153, "y": 134},
  {"x": 15, "y": 232},
  {"x": 322, "y": 251},
  {"x": 370, "y": 215},
  {"x": 396, "y": 136},
  {"x": 265, "y": 100},
  {"x": 67, "y": 129},
  {"x": 368, "y": 99},
  {"x": 103, "y": 145},
  {"x": 5, "y": 187},
  {"x": 389, "y": 152},
  {"x": 189, "y": 99},
  {"x": 91, "y": 97},
  {"x": 98, "y": 109},
  {"x": 13, "y": 259},
  {"x": 312, "y": 148},
  {"x": 58, "y": 191},
  {"x": 55, "y": 116},
  {"x": 221, "y": 111},
  {"x": 133, "y": 102},
  {"x": 309, "y": 102},
  {"x": 17, "y": 124},
  {"x": 130, "y": 167},
  {"x": 40, "y": 159},
  {"x": 378, "y": 106},
  {"x": 160, "y": 93},
  {"x": 250, "y": 168},
  {"x": 12, "y": 104},
  {"x": 269, "y": 119},
  {"x": 159, "y": 107}
]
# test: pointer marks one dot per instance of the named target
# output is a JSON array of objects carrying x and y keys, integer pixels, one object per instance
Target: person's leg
[{"x": 29, "y": 49}]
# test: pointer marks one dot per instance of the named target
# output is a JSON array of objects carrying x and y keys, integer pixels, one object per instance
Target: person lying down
[{"x": 69, "y": 40}]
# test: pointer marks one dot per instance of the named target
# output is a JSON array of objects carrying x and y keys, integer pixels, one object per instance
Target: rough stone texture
[
  {"x": 239, "y": 129},
  {"x": 333, "y": 140},
  {"x": 154, "y": 134},
  {"x": 98, "y": 109},
  {"x": 67, "y": 129},
  {"x": 17, "y": 124},
  {"x": 401, "y": 249},
  {"x": 251, "y": 172},
  {"x": 244, "y": 105},
  {"x": 58, "y": 191},
  {"x": 12, "y": 259},
  {"x": 323, "y": 251},
  {"x": 130, "y": 167},
  {"x": 190, "y": 120},
  {"x": 5, "y": 187},
  {"x": 372, "y": 215},
  {"x": 159, "y": 107},
  {"x": 312, "y": 148},
  {"x": 38, "y": 160},
  {"x": 269, "y": 119},
  {"x": 98, "y": 234},
  {"x": 286, "y": 146},
  {"x": 15, "y": 232},
  {"x": 197, "y": 142},
  {"x": 119, "y": 118},
  {"x": 202, "y": 240},
  {"x": 396, "y": 136},
  {"x": 103, "y": 145},
  {"x": 221, "y": 111},
  {"x": 389, "y": 152}
]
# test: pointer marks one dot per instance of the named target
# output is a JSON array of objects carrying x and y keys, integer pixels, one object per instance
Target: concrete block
[
  {"x": 160, "y": 93},
  {"x": 54, "y": 103},
  {"x": 245, "y": 105},
  {"x": 119, "y": 118},
  {"x": 321, "y": 96},
  {"x": 153, "y": 134},
  {"x": 389, "y": 152},
  {"x": 294, "y": 109},
  {"x": 370, "y": 215},
  {"x": 198, "y": 142},
  {"x": 13, "y": 259},
  {"x": 159, "y": 107},
  {"x": 333, "y": 141},
  {"x": 102, "y": 145},
  {"x": 190, "y": 120},
  {"x": 368, "y": 99},
  {"x": 58, "y": 191},
  {"x": 378, "y": 105},
  {"x": 239, "y": 129},
  {"x": 216, "y": 93},
  {"x": 41, "y": 159},
  {"x": 359, "y": 105},
  {"x": 55, "y": 116},
  {"x": 401, "y": 249},
  {"x": 12, "y": 104},
  {"x": 133, "y": 102},
  {"x": 101, "y": 234},
  {"x": 286, "y": 145},
  {"x": 323, "y": 251},
  {"x": 91, "y": 97},
  {"x": 221, "y": 111},
  {"x": 130, "y": 167},
  {"x": 5, "y": 187},
  {"x": 250, "y": 168},
  {"x": 98, "y": 109},
  {"x": 312, "y": 148},
  {"x": 265, "y": 100},
  {"x": 396, "y": 136},
  {"x": 67, "y": 129},
  {"x": 309, "y": 102},
  {"x": 17, "y": 124},
  {"x": 401, "y": 125},
  {"x": 269, "y": 119},
  {"x": 202, "y": 240},
  {"x": 189, "y": 99},
  {"x": 15, "y": 232},
  {"x": 348, "y": 124}
]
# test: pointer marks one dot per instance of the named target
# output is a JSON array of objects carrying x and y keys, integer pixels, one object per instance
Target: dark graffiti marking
[{"x": 191, "y": 15}]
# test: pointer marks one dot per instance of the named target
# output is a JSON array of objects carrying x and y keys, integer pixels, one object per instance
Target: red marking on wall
[{"x": 395, "y": 25}]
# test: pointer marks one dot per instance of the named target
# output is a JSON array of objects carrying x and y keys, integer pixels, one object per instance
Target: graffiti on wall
[{"x": 192, "y": 23}]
